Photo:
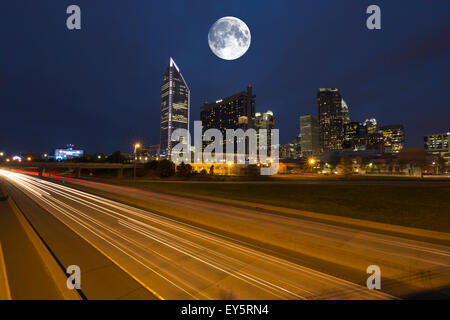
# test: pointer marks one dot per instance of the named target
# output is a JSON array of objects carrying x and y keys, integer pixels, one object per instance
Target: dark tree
[
  {"x": 166, "y": 168},
  {"x": 184, "y": 170},
  {"x": 116, "y": 157},
  {"x": 346, "y": 166}
]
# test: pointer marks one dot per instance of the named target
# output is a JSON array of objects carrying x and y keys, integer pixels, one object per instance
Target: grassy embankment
[{"x": 417, "y": 206}]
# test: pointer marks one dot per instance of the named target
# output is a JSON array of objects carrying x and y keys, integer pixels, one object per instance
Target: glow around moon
[{"x": 229, "y": 38}]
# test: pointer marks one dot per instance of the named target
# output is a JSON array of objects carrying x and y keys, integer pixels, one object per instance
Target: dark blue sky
[{"x": 99, "y": 88}]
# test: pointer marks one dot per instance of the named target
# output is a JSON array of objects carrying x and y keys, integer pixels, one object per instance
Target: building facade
[
  {"x": 332, "y": 118},
  {"x": 175, "y": 106},
  {"x": 352, "y": 131},
  {"x": 233, "y": 112},
  {"x": 436, "y": 143},
  {"x": 371, "y": 126},
  {"x": 291, "y": 150},
  {"x": 309, "y": 132},
  {"x": 358, "y": 138},
  {"x": 345, "y": 112},
  {"x": 265, "y": 121},
  {"x": 393, "y": 138}
]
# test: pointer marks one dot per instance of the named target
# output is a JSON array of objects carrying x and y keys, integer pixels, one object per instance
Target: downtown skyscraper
[
  {"x": 309, "y": 131},
  {"x": 333, "y": 116},
  {"x": 265, "y": 121},
  {"x": 175, "y": 106},
  {"x": 233, "y": 112},
  {"x": 393, "y": 138}
]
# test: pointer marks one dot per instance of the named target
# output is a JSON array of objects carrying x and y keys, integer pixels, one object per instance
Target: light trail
[{"x": 180, "y": 261}]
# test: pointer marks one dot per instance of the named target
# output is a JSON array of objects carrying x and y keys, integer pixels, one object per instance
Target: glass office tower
[
  {"x": 175, "y": 106},
  {"x": 332, "y": 118}
]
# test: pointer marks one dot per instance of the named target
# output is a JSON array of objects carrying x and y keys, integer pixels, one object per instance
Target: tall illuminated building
[
  {"x": 361, "y": 136},
  {"x": 309, "y": 131},
  {"x": 233, "y": 112},
  {"x": 265, "y": 121},
  {"x": 352, "y": 131},
  {"x": 345, "y": 113},
  {"x": 438, "y": 142},
  {"x": 393, "y": 138},
  {"x": 175, "y": 106},
  {"x": 371, "y": 126},
  {"x": 333, "y": 114}
]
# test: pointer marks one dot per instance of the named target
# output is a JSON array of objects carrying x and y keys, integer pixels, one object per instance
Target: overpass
[{"x": 41, "y": 167}]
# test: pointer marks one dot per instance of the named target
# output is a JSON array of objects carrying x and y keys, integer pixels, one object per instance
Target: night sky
[{"x": 99, "y": 88}]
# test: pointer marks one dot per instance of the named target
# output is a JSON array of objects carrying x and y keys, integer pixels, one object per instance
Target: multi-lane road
[{"x": 205, "y": 250}]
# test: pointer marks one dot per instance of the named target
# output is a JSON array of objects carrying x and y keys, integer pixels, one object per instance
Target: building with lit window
[
  {"x": 233, "y": 112},
  {"x": 345, "y": 112},
  {"x": 393, "y": 138},
  {"x": 357, "y": 138},
  {"x": 352, "y": 131},
  {"x": 175, "y": 106},
  {"x": 371, "y": 126},
  {"x": 265, "y": 121},
  {"x": 309, "y": 132},
  {"x": 437, "y": 143},
  {"x": 291, "y": 150},
  {"x": 369, "y": 142},
  {"x": 333, "y": 114}
]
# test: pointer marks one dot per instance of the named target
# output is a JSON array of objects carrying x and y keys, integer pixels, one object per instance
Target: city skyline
[{"x": 116, "y": 99}]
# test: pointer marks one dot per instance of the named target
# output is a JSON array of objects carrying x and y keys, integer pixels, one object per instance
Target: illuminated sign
[{"x": 69, "y": 153}]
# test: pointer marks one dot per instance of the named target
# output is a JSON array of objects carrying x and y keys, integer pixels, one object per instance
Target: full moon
[{"x": 229, "y": 38}]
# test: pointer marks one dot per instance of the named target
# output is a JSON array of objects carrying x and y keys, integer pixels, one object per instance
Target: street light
[
  {"x": 312, "y": 161},
  {"x": 137, "y": 145}
]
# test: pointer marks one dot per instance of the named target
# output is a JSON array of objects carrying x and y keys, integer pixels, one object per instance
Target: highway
[{"x": 174, "y": 259}]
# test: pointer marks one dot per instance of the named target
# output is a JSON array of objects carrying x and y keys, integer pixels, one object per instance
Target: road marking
[{"x": 5, "y": 293}]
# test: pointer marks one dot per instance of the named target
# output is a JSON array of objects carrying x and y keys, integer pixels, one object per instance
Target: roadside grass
[{"x": 426, "y": 207}]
